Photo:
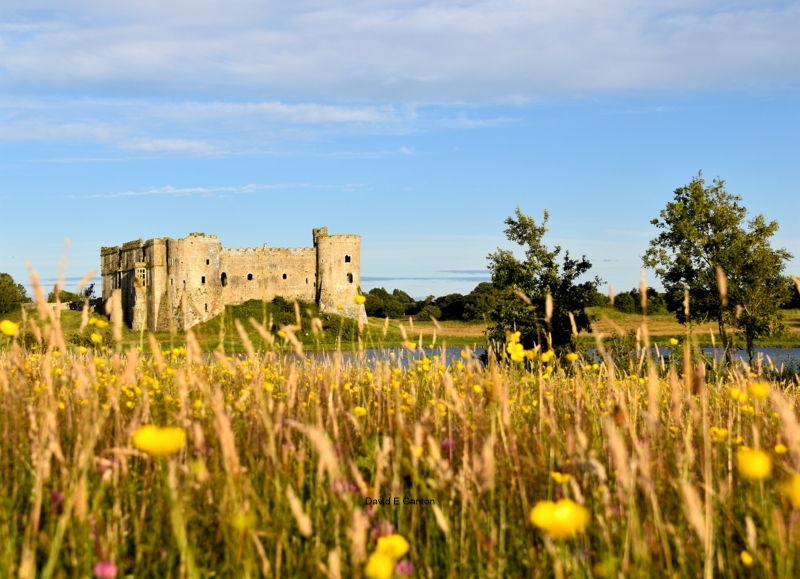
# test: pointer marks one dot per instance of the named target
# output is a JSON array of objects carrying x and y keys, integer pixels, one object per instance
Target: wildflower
[
  {"x": 560, "y": 478},
  {"x": 512, "y": 337},
  {"x": 758, "y": 390},
  {"x": 476, "y": 388},
  {"x": 746, "y": 558},
  {"x": 516, "y": 351},
  {"x": 96, "y": 338},
  {"x": 780, "y": 449},
  {"x": 791, "y": 490},
  {"x": 379, "y": 566},
  {"x": 448, "y": 445},
  {"x": 416, "y": 451},
  {"x": 673, "y": 342},
  {"x": 561, "y": 519},
  {"x": 572, "y": 357},
  {"x": 409, "y": 344},
  {"x": 359, "y": 299},
  {"x": 393, "y": 546},
  {"x": 105, "y": 570},
  {"x": 9, "y": 328},
  {"x": 157, "y": 441},
  {"x": 753, "y": 464},
  {"x": 360, "y": 411},
  {"x": 546, "y": 356},
  {"x": 404, "y": 568},
  {"x": 737, "y": 395},
  {"x": 718, "y": 434}
]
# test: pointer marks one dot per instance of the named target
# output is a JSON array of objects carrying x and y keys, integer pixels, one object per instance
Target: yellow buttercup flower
[
  {"x": 96, "y": 338},
  {"x": 360, "y": 411},
  {"x": 379, "y": 566},
  {"x": 572, "y": 357},
  {"x": 560, "y": 520},
  {"x": 758, "y": 390},
  {"x": 718, "y": 434},
  {"x": 673, "y": 342},
  {"x": 359, "y": 299},
  {"x": 753, "y": 464},
  {"x": 393, "y": 546},
  {"x": 157, "y": 441},
  {"x": 560, "y": 477},
  {"x": 781, "y": 448},
  {"x": 546, "y": 356},
  {"x": 8, "y": 328},
  {"x": 791, "y": 490},
  {"x": 746, "y": 558}
]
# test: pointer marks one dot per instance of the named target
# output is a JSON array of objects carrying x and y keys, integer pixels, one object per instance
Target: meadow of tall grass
[{"x": 145, "y": 462}]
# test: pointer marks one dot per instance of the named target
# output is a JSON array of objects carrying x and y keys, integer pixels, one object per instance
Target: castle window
[
  {"x": 249, "y": 277},
  {"x": 306, "y": 280},
  {"x": 224, "y": 279},
  {"x": 284, "y": 276},
  {"x": 208, "y": 261},
  {"x": 141, "y": 274},
  {"x": 206, "y": 307},
  {"x": 347, "y": 259},
  {"x": 203, "y": 280},
  {"x": 350, "y": 278}
]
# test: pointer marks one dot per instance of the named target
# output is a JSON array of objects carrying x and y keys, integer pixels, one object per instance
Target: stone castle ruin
[{"x": 167, "y": 283}]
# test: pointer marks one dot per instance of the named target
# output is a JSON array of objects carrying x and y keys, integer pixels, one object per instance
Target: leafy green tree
[
  {"x": 524, "y": 286},
  {"x": 793, "y": 293},
  {"x": 727, "y": 265},
  {"x": 12, "y": 294},
  {"x": 481, "y": 301}
]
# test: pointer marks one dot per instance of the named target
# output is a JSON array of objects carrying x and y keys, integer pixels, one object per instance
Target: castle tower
[{"x": 338, "y": 273}]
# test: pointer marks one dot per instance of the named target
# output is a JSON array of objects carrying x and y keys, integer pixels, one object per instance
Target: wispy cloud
[{"x": 220, "y": 190}]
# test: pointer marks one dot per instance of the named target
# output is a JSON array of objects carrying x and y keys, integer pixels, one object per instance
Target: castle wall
[{"x": 168, "y": 283}]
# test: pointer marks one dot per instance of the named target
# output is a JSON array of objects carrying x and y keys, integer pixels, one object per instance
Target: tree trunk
[{"x": 748, "y": 337}]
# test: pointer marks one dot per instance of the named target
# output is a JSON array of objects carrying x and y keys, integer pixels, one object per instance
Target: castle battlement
[{"x": 177, "y": 283}]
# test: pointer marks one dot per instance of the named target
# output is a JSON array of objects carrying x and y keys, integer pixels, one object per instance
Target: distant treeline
[{"x": 484, "y": 298}]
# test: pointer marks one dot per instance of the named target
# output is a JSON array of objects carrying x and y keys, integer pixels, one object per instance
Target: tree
[
  {"x": 12, "y": 294},
  {"x": 533, "y": 278},
  {"x": 732, "y": 274}
]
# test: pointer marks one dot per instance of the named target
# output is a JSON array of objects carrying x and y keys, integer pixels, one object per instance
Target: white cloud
[
  {"x": 400, "y": 51},
  {"x": 222, "y": 190}
]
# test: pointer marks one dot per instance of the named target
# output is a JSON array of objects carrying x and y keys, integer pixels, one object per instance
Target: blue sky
[{"x": 419, "y": 125}]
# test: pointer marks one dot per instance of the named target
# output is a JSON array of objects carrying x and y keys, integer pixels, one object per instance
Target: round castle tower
[{"x": 338, "y": 273}]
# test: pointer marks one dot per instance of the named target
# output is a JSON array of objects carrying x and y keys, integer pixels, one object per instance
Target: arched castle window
[
  {"x": 249, "y": 277},
  {"x": 208, "y": 261},
  {"x": 223, "y": 279},
  {"x": 284, "y": 276},
  {"x": 203, "y": 279},
  {"x": 349, "y": 278},
  {"x": 347, "y": 259}
]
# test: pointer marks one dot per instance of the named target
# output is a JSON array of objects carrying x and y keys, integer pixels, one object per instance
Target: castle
[{"x": 167, "y": 283}]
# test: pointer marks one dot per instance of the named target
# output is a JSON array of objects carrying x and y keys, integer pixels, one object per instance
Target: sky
[{"x": 419, "y": 125}]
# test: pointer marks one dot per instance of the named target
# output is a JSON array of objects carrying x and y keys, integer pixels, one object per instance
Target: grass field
[{"x": 271, "y": 464}]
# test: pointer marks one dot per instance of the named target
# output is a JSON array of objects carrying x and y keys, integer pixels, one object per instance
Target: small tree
[
  {"x": 732, "y": 274},
  {"x": 12, "y": 294},
  {"x": 533, "y": 278}
]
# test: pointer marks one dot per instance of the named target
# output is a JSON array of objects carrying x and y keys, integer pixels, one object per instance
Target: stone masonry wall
[{"x": 168, "y": 283}]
